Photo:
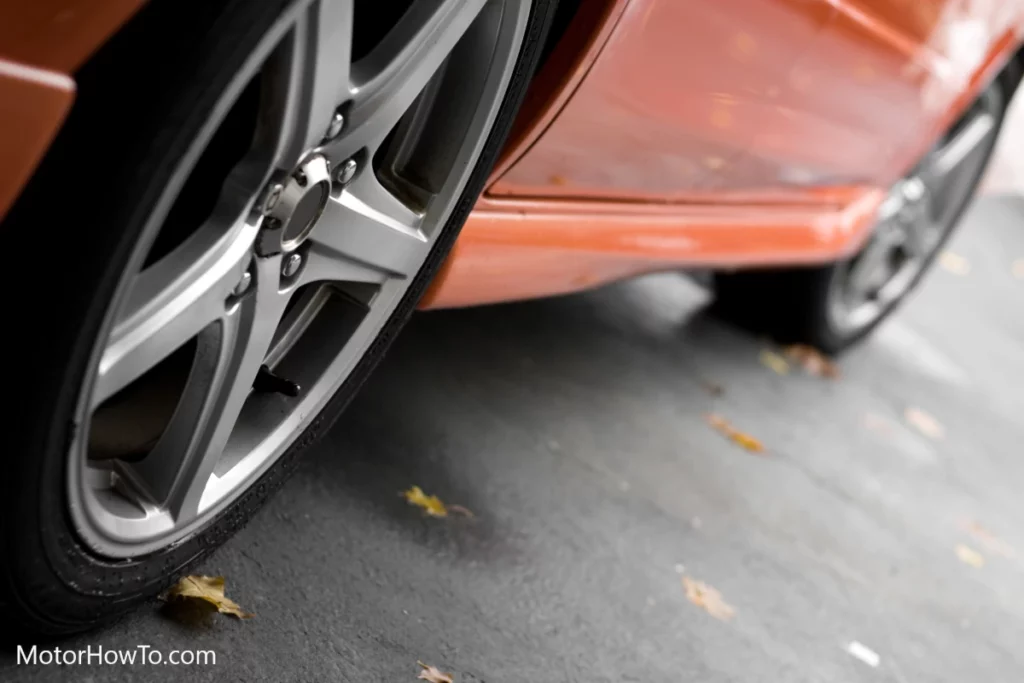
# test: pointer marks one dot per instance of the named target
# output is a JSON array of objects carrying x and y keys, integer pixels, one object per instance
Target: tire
[
  {"x": 139, "y": 100},
  {"x": 793, "y": 305}
]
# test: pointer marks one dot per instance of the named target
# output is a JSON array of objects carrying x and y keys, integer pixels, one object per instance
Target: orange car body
[{"x": 660, "y": 133}]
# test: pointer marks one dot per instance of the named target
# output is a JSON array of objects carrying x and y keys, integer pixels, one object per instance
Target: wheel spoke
[
  {"x": 170, "y": 303},
  {"x": 948, "y": 169},
  {"x": 921, "y": 235},
  {"x": 314, "y": 77},
  {"x": 864, "y": 275},
  {"x": 366, "y": 235},
  {"x": 963, "y": 145},
  {"x": 230, "y": 351},
  {"x": 388, "y": 80}
]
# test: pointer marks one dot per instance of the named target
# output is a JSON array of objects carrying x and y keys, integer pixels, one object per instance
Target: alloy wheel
[
  {"x": 914, "y": 220},
  {"x": 288, "y": 235}
]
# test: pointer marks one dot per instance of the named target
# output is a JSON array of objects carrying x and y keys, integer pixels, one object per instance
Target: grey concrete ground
[{"x": 573, "y": 429}]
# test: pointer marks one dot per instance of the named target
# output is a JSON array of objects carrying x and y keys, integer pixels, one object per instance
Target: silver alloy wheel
[
  {"x": 918, "y": 213},
  {"x": 293, "y": 273}
]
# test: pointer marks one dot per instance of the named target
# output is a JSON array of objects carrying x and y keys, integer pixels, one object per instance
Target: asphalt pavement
[{"x": 574, "y": 431}]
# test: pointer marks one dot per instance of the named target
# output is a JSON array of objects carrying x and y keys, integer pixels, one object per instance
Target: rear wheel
[
  {"x": 833, "y": 306},
  {"x": 243, "y": 208}
]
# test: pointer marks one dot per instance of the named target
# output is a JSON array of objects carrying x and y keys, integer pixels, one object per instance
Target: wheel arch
[{"x": 579, "y": 34}]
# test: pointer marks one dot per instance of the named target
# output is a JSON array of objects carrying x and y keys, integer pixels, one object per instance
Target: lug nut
[
  {"x": 335, "y": 126},
  {"x": 346, "y": 172},
  {"x": 243, "y": 285},
  {"x": 271, "y": 198},
  {"x": 914, "y": 190},
  {"x": 291, "y": 265}
]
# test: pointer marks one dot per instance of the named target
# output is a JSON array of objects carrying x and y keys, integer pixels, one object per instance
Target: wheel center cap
[{"x": 292, "y": 208}]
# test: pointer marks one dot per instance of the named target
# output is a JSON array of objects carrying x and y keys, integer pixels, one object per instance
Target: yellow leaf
[
  {"x": 954, "y": 263},
  {"x": 433, "y": 675},
  {"x": 970, "y": 556},
  {"x": 991, "y": 542},
  {"x": 774, "y": 362},
  {"x": 206, "y": 590},
  {"x": 703, "y": 595},
  {"x": 812, "y": 360},
  {"x": 736, "y": 436},
  {"x": 432, "y": 505},
  {"x": 924, "y": 423}
]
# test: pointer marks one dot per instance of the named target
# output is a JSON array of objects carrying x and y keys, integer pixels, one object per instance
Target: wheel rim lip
[
  {"x": 93, "y": 523},
  {"x": 851, "y": 310}
]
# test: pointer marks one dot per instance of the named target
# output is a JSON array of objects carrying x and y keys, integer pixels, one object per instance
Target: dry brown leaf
[
  {"x": 207, "y": 590},
  {"x": 460, "y": 510},
  {"x": 954, "y": 263},
  {"x": 812, "y": 360},
  {"x": 970, "y": 556},
  {"x": 432, "y": 505},
  {"x": 736, "y": 436},
  {"x": 774, "y": 362},
  {"x": 433, "y": 674},
  {"x": 924, "y": 423},
  {"x": 992, "y": 542},
  {"x": 703, "y": 595},
  {"x": 713, "y": 388}
]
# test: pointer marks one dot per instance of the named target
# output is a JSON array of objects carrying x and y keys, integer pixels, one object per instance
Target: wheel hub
[{"x": 291, "y": 207}]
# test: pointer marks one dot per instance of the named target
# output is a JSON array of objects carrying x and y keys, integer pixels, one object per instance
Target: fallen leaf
[
  {"x": 954, "y": 263},
  {"x": 432, "y": 505},
  {"x": 703, "y": 595},
  {"x": 812, "y": 360},
  {"x": 970, "y": 556},
  {"x": 991, "y": 541},
  {"x": 774, "y": 362},
  {"x": 713, "y": 388},
  {"x": 924, "y": 423},
  {"x": 207, "y": 590},
  {"x": 864, "y": 654},
  {"x": 1018, "y": 268},
  {"x": 460, "y": 510},
  {"x": 736, "y": 436},
  {"x": 433, "y": 674}
]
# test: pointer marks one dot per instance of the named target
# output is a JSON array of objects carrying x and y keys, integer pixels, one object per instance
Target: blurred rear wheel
[{"x": 836, "y": 305}]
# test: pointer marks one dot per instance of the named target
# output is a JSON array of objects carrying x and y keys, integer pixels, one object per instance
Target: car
[{"x": 241, "y": 204}]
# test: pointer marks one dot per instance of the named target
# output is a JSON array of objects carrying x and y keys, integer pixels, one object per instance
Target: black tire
[
  {"x": 792, "y": 304},
  {"x": 140, "y": 99}
]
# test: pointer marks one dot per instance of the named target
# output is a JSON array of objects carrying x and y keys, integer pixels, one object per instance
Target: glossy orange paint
[
  {"x": 521, "y": 249},
  {"x": 738, "y": 133},
  {"x": 33, "y": 103},
  {"x": 41, "y": 44},
  {"x": 674, "y": 98}
]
